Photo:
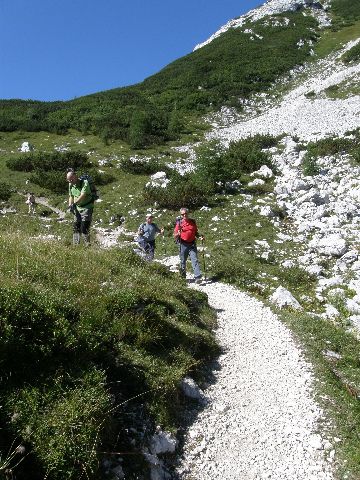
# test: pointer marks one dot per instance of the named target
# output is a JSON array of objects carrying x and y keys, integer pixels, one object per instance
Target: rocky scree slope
[{"x": 323, "y": 207}]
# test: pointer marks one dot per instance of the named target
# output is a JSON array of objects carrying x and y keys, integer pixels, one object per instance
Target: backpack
[{"x": 93, "y": 189}]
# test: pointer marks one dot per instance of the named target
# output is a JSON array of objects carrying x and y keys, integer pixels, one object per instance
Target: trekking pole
[
  {"x": 164, "y": 243},
  {"x": 203, "y": 255}
]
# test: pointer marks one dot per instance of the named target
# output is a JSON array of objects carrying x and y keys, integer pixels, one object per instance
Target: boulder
[
  {"x": 283, "y": 298},
  {"x": 191, "y": 390},
  {"x": 26, "y": 147},
  {"x": 352, "y": 306},
  {"x": 263, "y": 172},
  {"x": 158, "y": 179},
  {"x": 267, "y": 211},
  {"x": 331, "y": 311},
  {"x": 162, "y": 442},
  {"x": 349, "y": 258},
  {"x": 256, "y": 182},
  {"x": 332, "y": 245}
]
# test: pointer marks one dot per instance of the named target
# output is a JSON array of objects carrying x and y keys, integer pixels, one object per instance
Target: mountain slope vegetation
[{"x": 230, "y": 68}]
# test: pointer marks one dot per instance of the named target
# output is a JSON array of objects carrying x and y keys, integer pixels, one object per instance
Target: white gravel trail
[{"x": 261, "y": 420}]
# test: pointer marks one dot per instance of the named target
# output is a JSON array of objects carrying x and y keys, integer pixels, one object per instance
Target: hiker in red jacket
[{"x": 186, "y": 233}]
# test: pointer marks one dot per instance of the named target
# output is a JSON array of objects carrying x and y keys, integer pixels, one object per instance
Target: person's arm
[
  {"x": 177, "y": 230},
  {"x": 82, "y": 196},
  {"x": 157, "y": 229},
  {"x": 85, "y": 192},
  {"x": 71, "y": 197}
]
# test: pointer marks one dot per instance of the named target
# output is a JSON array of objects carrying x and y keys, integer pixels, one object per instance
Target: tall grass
[{"x": 83, "y": 331}]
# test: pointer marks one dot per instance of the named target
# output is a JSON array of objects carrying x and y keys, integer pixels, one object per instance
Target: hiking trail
[{"x": 261, "y": 420}]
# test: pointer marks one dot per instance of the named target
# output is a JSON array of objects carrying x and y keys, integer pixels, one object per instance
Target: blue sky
[{"x": 61, "y": 49}]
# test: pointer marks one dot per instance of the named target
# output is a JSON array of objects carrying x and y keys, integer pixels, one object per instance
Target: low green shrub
[
  {"x": 212, "y": 170},
  {"x": 347, "y": 10},
  {"x": 56, "y": 180},
  {"x": 216, "y": 165},
  {"x": 330, "y": 146},
  {"x": 310, "y": 166},
  {"x": 179, "y": 192},
  {"x": 63, "y": 420},
  {"x": 246, "y": 155},
  {"x": 44, "y": 161},
  {"x": 5, "y": 191},
  {"x": 352, "y": 55}
]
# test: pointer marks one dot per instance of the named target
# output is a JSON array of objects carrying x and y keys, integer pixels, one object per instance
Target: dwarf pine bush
[
  {"x": 5, "y": 191},
  {"x": 182, "y": 190},
  {"x": 46, "y": 162},
  {"x": 352, "y": 55},
  {"x": 330, "y": 146},
  {"x": 216, "y": 165}
]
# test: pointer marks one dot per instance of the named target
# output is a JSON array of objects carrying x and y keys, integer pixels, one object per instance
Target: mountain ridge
[{"x": 273, "y": 7}]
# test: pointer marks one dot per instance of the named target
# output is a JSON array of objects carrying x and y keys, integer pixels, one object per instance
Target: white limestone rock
[
  {"x": 162, "y": 442},
  {"x": 267, "y": 211},
  {"x": 355, "y": 322},
  {"x": 352, "y": 306},
  {"x": 6, "y": 210},
  {"x": 315, "y": 270},
  {"x": 26, "y": 147},
  {"x": 256, "y": 182},
  {"x": 331, "y": 311},
  {"x": 158, "y": 179},
  {"x": 347, "y": 260},
  {"x": 263, "y": 172},
  {"x": 332, "y": 245},
  {"x": 191, "y": 390},
  {"x": 288, "y": 264},
  {"x": 283, "y": 298}
]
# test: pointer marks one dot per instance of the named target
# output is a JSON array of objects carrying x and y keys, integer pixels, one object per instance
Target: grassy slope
[{"x": 89, "y": 329}]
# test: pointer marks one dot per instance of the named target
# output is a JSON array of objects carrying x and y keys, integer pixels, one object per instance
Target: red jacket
[{"x": 188, "y": 229}]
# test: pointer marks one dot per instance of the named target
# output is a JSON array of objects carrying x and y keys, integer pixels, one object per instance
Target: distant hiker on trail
[
  {"x": 186, "y": 233},
  {"x": 81, "y": 204},
  {"x": 146, "y": 236},
  {"x": 31, "y": 202}
]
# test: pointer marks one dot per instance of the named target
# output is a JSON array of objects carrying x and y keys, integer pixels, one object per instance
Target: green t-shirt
[{"x": 79, "y": 188}]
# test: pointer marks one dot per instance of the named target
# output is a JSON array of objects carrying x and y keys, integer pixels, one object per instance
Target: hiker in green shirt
[{"x": 81, "y": 204}]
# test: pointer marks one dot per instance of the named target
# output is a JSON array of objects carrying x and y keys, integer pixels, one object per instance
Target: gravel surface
[{"x": 261, "y": 420}]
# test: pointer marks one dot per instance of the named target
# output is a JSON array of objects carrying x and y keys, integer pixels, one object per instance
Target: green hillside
[{"x": 226, "y": 71}]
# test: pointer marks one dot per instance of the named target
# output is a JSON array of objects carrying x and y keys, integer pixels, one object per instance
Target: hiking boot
[{"x": 198, "y": 280}]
